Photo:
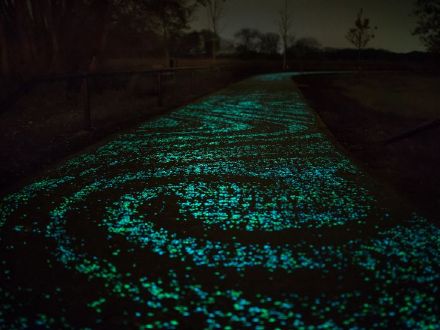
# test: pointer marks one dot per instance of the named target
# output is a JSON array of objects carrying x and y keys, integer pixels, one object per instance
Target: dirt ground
[{"x": 364, "y": 111}]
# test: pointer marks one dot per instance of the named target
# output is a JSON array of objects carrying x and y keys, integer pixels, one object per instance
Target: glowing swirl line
[{"x": 233, "y": 212}]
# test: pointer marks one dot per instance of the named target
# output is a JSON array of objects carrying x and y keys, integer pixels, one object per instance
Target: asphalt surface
[{"x": 237, "y": 211}]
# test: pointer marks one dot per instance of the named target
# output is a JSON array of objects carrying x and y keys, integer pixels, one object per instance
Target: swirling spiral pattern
[{"x": 237, "y": 211}]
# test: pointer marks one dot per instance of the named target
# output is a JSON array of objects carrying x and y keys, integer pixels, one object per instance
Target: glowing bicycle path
[{"x": 234, "y": 212}]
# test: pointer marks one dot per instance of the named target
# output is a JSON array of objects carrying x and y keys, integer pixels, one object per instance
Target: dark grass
[{"x": 364, "y": 111}]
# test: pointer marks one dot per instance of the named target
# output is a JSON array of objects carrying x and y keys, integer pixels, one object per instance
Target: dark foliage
[
  {"x": 50, "y": 36},
  {"x": 428, "y": 25}
]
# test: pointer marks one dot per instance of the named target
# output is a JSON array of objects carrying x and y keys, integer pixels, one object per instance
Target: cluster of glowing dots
[{"x": 233, "y": 212}]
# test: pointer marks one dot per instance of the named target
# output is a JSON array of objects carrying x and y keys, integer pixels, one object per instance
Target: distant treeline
[{"x": 56, "y": 36}]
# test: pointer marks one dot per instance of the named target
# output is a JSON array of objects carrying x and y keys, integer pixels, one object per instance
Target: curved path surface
[{"x": 237, "y": 211}]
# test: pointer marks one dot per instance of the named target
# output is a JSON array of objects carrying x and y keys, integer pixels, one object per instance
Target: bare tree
[
  {"x": 361, "y": 34},
  {"x": 4, "y": 60},
  {"x": 215, "y": 12},
  {"x": 285, "y": 25},
  {"x": 428, "y": 24}
]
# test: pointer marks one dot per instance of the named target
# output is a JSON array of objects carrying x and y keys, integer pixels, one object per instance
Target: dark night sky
[{"x": 326, "y": 20}]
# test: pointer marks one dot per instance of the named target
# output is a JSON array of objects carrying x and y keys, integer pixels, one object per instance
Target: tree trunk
[
  {"x": 165, "y": 41},
  {"x": 5, "y": 70},
  {"x": 214, "y": 49},
  {"x": 214, "y": 42},
  {"x": 42, "y": 39},
  {"x": 167, "y": 56},
  {"x": 106, "y": 11},
  {"x": 284, "y": 61},
  {"x": 24, "y": 42},
  {"x": 55, "y": 52},
  {"x": 103, "y": 41},
  {"x": 285, "y": 58},
  {"x": 52, "y": 18}
]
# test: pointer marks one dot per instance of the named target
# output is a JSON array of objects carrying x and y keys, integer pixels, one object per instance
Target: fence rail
[
  {"x": 86, "y": 79},
  {"x": 55, "y": 116}
]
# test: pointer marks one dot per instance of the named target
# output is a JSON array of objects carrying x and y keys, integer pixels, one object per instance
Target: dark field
[{"x": 363, "y": 112}]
